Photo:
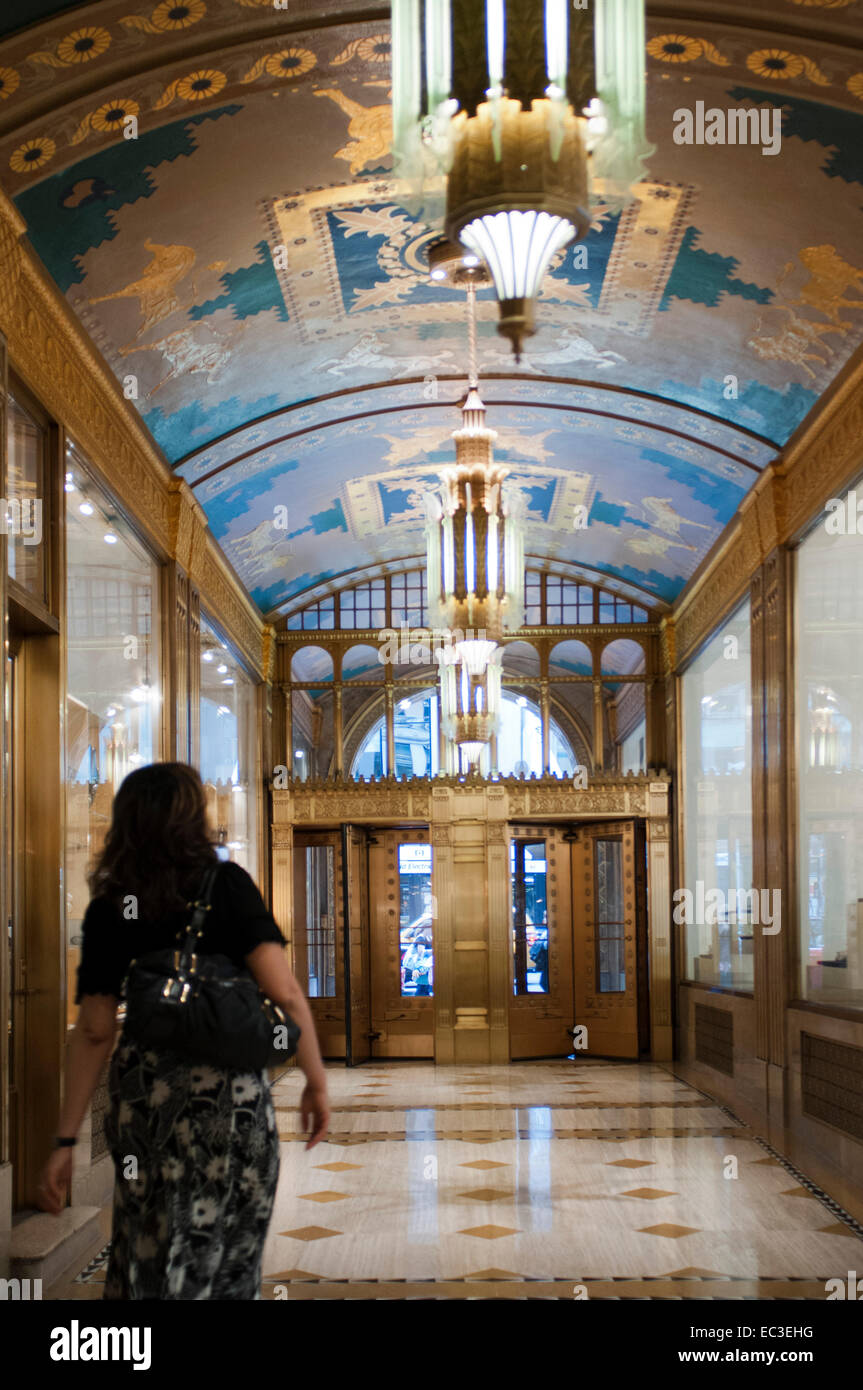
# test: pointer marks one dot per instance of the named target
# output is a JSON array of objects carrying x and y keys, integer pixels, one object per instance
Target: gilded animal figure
[
  {"x": 830, "y": 278},
  {"x": 156, "y": 287},
  {"x": 370, "y": 129},
  {"x": 790, "y": 344}
]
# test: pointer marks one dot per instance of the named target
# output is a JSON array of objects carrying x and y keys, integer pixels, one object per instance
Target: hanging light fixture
[
  {"x": 475, "y": 551},
  {"x": 525, "y": 114}
]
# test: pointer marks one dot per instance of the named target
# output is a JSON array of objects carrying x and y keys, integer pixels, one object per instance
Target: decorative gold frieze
[{"x": 340, "y": 799}]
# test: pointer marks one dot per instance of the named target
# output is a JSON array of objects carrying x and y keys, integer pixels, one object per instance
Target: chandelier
[
  {"x": 475, "y": 552},
  {"x": 512, "y": 119}
]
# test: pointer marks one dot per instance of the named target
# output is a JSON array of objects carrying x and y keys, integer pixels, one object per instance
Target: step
[{"x": 44, "y": 1246}]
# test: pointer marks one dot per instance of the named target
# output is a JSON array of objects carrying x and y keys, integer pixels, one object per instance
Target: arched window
[{"x": 415, "y": 727}]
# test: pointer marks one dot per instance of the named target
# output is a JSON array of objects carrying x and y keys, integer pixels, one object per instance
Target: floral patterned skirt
[{"x": 196, "y": 1157}]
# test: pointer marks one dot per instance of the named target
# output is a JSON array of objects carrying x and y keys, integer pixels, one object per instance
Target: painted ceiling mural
[{"x": 211, "y": 190}]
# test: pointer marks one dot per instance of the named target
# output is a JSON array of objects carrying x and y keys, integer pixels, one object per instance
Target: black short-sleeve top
[{"x": 238, "y": 921}]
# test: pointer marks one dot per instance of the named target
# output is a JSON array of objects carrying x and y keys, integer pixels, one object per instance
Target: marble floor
[{"x": 545, "y": 1180}]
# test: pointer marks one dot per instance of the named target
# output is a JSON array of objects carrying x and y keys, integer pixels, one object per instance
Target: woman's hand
[
  {"x": 315, "y": 1110},
  {"x": 56, "y": 1180}
]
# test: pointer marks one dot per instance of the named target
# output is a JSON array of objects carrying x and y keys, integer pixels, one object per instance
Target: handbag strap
[{"x": 185, "y": 960}]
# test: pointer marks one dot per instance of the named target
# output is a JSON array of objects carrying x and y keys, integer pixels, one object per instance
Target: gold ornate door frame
[
  {"x": 610, "y": 938},
  {"x": 355, "y": 858},
  {"x": 318, "y": 933},
  {"x": 540, "y": 1020},
  {"x": 403, "y": 1024}
]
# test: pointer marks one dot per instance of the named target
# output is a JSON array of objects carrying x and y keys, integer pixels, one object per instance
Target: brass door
[
  {"x": 318, "y": 934},
  {"x": 540, "y": 1014},
  {"x": 355, "y": 856},
  {"x": 608, "y": 937},
  {"x": 402, "y": 919}
]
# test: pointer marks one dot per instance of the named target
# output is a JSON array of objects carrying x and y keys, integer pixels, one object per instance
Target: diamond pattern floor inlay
[{"x": 552, "y": 1160}]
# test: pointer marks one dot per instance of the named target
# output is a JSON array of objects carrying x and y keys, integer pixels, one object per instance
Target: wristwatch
[{"x": 64, "y": 1142}]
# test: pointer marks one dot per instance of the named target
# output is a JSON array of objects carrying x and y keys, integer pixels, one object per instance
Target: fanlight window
[
  {"x": 415, "y": 727},
  {"x": 548, "y": 598}
]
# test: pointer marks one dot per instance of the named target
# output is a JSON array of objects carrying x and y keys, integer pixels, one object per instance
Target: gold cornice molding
[
  {"x": 826, "y": 452},
  {"x": 436, "y": 802},
  {"x": 52, "y": 353},
  {"x": 668, "y": 645},
  {"x": 268, "y": 652},
  {"x": 819, "y": 462}
]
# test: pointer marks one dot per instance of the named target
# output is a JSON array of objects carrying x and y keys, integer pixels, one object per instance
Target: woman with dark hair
[{"x": 195, "y": 1147}]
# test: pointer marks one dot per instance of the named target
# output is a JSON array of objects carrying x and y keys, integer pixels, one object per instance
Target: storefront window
[
  {"x": 228, "y": 725},
  {"x": 113, "y": 700},
  {"x": 717, "y": 905},
  {"x": 829, "y": 703},
  {"x": 24, "y": 508}
]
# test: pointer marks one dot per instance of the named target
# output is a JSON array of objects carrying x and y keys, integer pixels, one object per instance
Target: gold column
[
  {"x": 391, "y": 736},
  {"x": 282, "y": 858},
  {"x": 598, "y": 727},
  {"x": 194, "y": 676},
  {"x": 175, "y": 607},
  {"x": 759, "y": 845},
  {"x": 338, "y": 751},
  {"x": 545, "y": 716},
  {"x": 499, "y": 929},
  {"x": 778, "y": 984},
  {"x": 444, "y": 898},
  {"x": 441, "y": 740},
  {"x": 285, "y": 690},
  {"x": 659, "y": 924}
]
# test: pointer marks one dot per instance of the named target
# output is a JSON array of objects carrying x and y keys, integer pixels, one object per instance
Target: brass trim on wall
[{"x": 821, "y": 459}]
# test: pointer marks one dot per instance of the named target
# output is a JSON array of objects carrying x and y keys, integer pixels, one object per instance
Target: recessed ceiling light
[
  {"x": 206, "y": 656},
  {"x": 221, "y": 669},
  {"x": 86, "y": 509},
  {"x": 229, "y": 680},
  {"x": 110, "y": 538}
]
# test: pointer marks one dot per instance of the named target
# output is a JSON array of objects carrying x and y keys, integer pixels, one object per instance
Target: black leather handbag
[{"x": 203, "y": 1007}]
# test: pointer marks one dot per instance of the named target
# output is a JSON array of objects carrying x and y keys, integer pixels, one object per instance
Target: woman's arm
[
  {"x": 90, "y": 1046},
  {"x": 277, "y": 981}
]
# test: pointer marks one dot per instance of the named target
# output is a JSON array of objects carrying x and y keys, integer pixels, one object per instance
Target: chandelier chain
[{"x": 473, "y": 371}]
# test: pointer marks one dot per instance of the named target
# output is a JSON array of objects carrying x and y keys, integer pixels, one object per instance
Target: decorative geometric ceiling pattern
[{"x": 246, "y": 266}]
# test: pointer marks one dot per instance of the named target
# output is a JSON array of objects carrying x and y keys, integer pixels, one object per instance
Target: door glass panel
[
  {"x": 528, "y": 871},
  {"x": 415, "y": 920},
  {"x": 320, "y": 923},
  {"x": 609, "y": 916}
]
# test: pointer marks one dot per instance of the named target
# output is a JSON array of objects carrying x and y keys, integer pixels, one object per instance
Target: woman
[{"x": 195, "y": 1147}]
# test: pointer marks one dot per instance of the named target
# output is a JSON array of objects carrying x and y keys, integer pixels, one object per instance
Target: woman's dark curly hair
[{"x": 158, "y": 843}]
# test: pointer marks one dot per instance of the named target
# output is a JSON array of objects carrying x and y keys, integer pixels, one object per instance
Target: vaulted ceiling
[{"x": 324, "y": 377}]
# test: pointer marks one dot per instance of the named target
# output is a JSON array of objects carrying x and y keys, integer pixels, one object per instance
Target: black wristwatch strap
[{"x": 64, "y": 1142}]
